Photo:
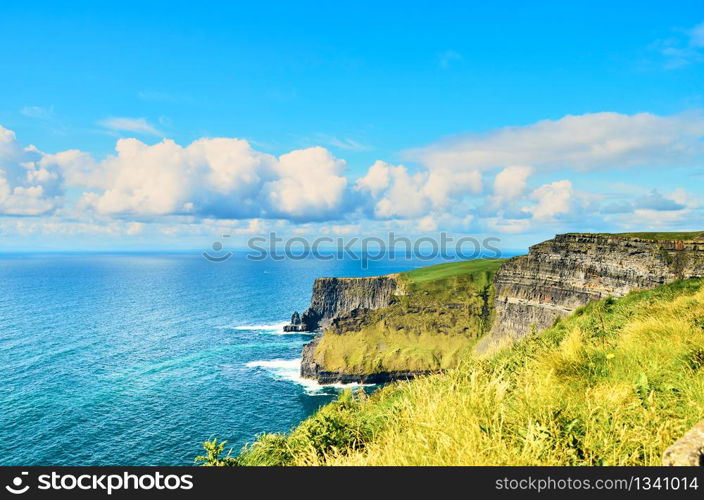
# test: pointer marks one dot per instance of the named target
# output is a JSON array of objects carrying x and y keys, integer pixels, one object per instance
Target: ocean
[{"x": 136, "y": 359}]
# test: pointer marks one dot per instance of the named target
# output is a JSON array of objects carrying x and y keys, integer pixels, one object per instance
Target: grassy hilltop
[
  {"x": 437, "y": 320},
  {"x": 613, "y": 384},
  {"x": 663, "y": 236}
]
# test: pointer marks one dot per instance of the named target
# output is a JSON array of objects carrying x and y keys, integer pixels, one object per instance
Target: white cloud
[
  {"x": 445, "y": 184},
  {"x": 510, "y": 184},
  {"x": 400, "y": 193},
  {"x": 377, "y": 179},
  {"x": 552, "y": 200},
  {"x": 135, "y": 125},
  {"x": 655, "y": 210},
  {"x": 578, "y": 142},
  {"x": 219, "y": 177},
  {"x": 219, "y": 182},
  {"x": 454, "y": 169},
  {"x": 254, "y": 226},
  {"x": 395, "y": 191},
  {"x": 683, "y": 49},
  {"x": 428, "y": 223},
  {"x": 27, "y": 186},
  {"x": 134, "y": 228},
  {"x": 309, "y": 184}
]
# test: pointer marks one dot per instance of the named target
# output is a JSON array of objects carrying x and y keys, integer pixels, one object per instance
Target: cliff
[
  {"x": 392, "y": 327},
  {"x": 377, "y": 330},
  {"x": 559, "y": 275},
  {"x": 334, "y": 297}
]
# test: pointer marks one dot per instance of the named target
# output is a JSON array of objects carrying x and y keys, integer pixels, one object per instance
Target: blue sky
[{"x": 359, "y": 118}]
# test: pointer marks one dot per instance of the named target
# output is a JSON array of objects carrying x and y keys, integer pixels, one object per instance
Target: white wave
[
  {"x": 290, "y": 370},
  {"x": 272, "y": 328},
  {"x": 262, "y": 327}
]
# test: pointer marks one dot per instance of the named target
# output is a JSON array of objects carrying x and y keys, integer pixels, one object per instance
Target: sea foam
[
  {"x": 269, "y": 328},
  {"x": 290, "y": 370}
]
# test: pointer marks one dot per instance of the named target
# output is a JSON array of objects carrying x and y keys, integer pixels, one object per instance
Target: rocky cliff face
[
  {"x": 561, "y": 274},
  {"x": 334, "y": 297}
]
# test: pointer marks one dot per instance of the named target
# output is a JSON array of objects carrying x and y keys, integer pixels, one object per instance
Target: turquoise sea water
[{"x": 137, "y": 359}]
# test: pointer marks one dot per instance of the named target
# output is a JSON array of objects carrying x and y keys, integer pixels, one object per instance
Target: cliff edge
[
  {"x": 562, "y": 274},
  {"x": 335, "y": 297},
  {"x": 396, "y": 327}
]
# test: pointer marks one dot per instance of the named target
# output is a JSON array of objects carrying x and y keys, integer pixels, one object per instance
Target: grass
[
  {"x": 613, "y": 384},
  {"x": 444, "y": 310},
  {"x": 479, "y": 269},
  {"x": 692, "y": 235}
]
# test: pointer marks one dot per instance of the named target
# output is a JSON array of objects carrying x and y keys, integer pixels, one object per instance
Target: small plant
[
  {"x": 213, "y": 449},
  {"x": 642, "y": 387}
]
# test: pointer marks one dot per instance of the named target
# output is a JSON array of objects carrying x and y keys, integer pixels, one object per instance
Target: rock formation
[
  {"x": 688, "y": 450},
  {"x": 334, "y": 297},
  {"x": 561, "y": 274}
]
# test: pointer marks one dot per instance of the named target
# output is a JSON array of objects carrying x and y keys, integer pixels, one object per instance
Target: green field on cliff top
[
  {"x": 443, "y": 272},
  {"x": 615, "y": 383},
  {"x": 686, "y": 236},
  {"x": 443, "y": 312}
]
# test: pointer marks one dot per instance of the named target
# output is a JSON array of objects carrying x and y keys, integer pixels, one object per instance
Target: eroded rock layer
[
  {"x": 559, "y": 275},
  {"x": 334, "y": 297}
]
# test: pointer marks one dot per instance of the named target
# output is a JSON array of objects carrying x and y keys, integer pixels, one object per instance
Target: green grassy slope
[
  {"x": 444, "y": 311},
  {"x": 614, "y": 384},
  {"x": 479, "y": 270}
]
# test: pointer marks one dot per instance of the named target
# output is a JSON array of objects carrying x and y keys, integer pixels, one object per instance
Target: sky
[{"x": 164, "y": 125}]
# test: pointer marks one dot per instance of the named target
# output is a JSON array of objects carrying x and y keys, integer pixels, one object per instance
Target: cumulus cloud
[
  {"x": 445, "y": 184},
  {"x": 27, "y": 186},
  {"x": 487, "y": 180},
  {"x": 309, "y": 184},
  {"x": 552, "y": 200},
  {"x": 134, "y": 125},
  {"x": 219, "y": 177},
  {"x": 454, "y": 169},
  {"x": 510, "y": 184},
  {"x": 398, "y": 192},
  {"x": 377, "y": 179},
  {"x": 584, "y": 142},
  {"x": 395, "y": 191}
]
